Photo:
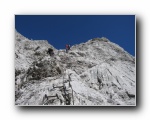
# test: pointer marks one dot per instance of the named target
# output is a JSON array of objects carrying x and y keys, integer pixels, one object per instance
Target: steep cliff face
[{"x": 97, "y": 72}]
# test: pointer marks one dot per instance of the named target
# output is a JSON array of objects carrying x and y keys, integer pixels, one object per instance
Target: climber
[
  {"x": 50, "y": 51},
  {"x": 67, "y": 48}
]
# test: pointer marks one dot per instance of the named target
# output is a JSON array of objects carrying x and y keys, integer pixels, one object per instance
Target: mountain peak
[{"x": 104, "y": 39}]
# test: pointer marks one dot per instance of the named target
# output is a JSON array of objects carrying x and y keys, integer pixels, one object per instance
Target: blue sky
[{"x": 60, "y": 30}]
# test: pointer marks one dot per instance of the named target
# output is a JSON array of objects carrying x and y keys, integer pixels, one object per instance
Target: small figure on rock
[{"x": 67, "y": 48}]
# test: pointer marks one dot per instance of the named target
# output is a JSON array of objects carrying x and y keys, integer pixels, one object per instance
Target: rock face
[{"x": 97, "y": 72}]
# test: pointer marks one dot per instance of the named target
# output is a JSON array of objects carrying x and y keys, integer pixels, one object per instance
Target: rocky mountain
[{"x": 97, "y": 72}]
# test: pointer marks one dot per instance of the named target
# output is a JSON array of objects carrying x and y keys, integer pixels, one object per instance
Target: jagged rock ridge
[{"x": 97, "y": 72}]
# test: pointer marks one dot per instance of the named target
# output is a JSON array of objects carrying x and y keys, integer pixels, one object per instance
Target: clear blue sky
[{"x": 75, "y": 29}]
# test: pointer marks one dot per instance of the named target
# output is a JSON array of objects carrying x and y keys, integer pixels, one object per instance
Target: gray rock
[{"x": 97, "y": 72}]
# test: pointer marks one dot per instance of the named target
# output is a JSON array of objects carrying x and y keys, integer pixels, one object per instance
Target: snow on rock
[{"x": 97, "y": 72}]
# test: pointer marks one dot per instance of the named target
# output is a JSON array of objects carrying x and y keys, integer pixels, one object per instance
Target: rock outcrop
[{"x": 97, "y": 72}]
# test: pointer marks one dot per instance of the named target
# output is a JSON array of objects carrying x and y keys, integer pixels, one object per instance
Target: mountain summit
[{"x": 97, "y": 72}]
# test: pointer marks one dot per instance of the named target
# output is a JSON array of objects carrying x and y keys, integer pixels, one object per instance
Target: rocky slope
[{"x": 97, "y": 72}]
